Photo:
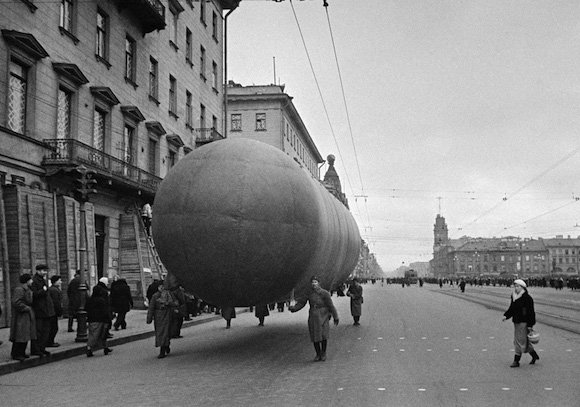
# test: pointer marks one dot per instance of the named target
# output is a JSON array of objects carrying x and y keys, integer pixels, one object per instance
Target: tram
[{"x": 411, "y": 276}]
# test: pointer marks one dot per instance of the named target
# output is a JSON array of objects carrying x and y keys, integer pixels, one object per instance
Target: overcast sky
[{"x": 470, "y": 105}]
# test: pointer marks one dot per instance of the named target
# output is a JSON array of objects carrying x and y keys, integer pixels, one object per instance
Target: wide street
[{"x": 415, "y": 347}]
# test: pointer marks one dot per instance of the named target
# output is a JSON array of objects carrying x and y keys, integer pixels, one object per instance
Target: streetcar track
[{"x": 555, "y": 321}]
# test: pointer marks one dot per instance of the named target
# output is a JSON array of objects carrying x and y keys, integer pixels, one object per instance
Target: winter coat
[
  {"x": 56, "y": 297},
  {"x": 522, "y": 310},
  {"x": 98, "y": 308},
  {"x": 262, "y": 311},
  {"x": 41, "y": 300},
  {"x": 74, "y": 295},
  {"x": 321, "y": 309},
  {"x": 161, "y": 306},
  {"x": 23, "y": 323},
  {"x": 355, "y": 292},
  {"x": 121, "y": 300}
]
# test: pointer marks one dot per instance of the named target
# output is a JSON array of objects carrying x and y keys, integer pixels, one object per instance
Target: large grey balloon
[{"x": 238, "y": 222}]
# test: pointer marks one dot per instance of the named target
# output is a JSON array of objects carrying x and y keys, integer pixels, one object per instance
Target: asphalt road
[{"x": 415, "y": 347}]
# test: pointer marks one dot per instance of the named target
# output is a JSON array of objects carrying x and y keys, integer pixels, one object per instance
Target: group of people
[{"x": 37, "y": 308}]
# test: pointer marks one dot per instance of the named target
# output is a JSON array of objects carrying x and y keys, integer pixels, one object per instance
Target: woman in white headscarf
[{"x": 522, "y": 313}]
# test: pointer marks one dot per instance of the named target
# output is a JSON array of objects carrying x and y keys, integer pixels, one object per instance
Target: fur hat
[
  {"x": 521, "y": 283},
  {"x": 24, "y": 278},
  {"x": 54, "y": 279}
]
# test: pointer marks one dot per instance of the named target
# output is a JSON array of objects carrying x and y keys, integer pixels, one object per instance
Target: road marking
[
  {"x": 381, "y": 389},
  {"x": 505, "y": 388},
  {"x": 424, "y": 337},
  {"x": 455, "y": 350},
  {"x": 401, "y": 350},
  {"x": 548, "y": 388},
  {"x": 374, "y": 350},
  {"x": 421, "y": 389},
  {"x": 484, "y": 350},
  {"x": 428, "y": 350},
  {"x": 468, "y": 337},
  {"x": 380, "y": 337},
  {"x": 463, "y": 389},
  {"x": 402, "y": 337},
  {"x": 340, "y": 389}
]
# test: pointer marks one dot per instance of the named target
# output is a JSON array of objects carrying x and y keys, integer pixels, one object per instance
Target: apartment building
[{"x": 120, "y": 88}]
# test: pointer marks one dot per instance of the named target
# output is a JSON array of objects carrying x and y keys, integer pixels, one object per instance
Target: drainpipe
[{"x": 225, "y": 93}]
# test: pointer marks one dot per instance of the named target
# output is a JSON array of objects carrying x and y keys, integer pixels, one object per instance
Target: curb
[{"x": 55, "y": 356}]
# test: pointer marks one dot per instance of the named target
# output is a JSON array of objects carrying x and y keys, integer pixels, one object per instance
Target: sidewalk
[{"x": 137, "y": 329}]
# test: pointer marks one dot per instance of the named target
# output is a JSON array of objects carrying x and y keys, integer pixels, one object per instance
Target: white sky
[{"x": 470, "y": 101}]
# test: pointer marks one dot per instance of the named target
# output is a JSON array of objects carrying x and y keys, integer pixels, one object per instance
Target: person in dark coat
[
  {"x": 152, "y": 289},
  {"x": 99, "y": 318},
  {"x": 121, "y": 301},
  {"x": 43, "y": 311},
  {"x": 228, "y": 312},
  {"x": 261, "y": 313},
  {"x": 321, "y": 309},
  {"x": 355, "y": 292},
  {"x": 161, "y": 306},
  {"x": 23, "y": 323},
  {"x": 74, "y": 299},
  {"x": 56, "y": 296},
  {"x": 523, "y": 315},
  {"x": 462, "y": 285}
]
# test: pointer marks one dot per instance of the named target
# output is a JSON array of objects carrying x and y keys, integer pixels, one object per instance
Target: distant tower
[{"x": 440, "y": 233}]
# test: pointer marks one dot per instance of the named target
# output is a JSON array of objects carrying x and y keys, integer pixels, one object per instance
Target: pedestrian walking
[
  {"x": 521, "y": 311},
  {"x": 43, "y": 310},
  {"x": 56, "y": 296},
  {"x": 99, "y": 318},
  {"x": 74, "y": 299},
  {"x": 261, "y": 313},
  {"x": 355, "y": 292},
  {"x": 121, "y": 301},
  {"x": 228, "y": 313},
  {"x": 321, "y": 309},
  {"x": 462, "y": 285},
  {"x": 23, "y": 323},
  {"x": 161, "y": 306}
]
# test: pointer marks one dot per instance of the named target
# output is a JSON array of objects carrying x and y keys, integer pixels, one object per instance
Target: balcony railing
[
  {"x": 68, "y": 152},
  {"x": 149, "y": 13},
  {"x": 207, "y": 135}
]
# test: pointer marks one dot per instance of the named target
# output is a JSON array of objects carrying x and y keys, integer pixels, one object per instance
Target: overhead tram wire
[
  {"x": 325, "y": 5},
  {"x": 542, "y": 214},
  {"x": 320, "y": 94},
  {"x": 511, "y": 195}
]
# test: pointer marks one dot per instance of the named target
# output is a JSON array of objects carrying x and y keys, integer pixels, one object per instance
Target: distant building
[
  {"x": 503, "y": 257},
  {"x": 265, "y": 113}
]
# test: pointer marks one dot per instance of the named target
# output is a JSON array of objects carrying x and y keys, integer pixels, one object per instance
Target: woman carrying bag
[{"x": 521, "y": 311}]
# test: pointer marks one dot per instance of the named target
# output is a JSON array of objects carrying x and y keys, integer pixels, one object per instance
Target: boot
[
  {"x": 107, "y": 350},
  {"x": 516, "y": 362},
  {"x": 89, "y": 353},
  {"x": 167, "y": 350},
  {"x": 161, "y": 353},
  {"x": 534, "y": 357},
  {"x": 318, "y": 351}
]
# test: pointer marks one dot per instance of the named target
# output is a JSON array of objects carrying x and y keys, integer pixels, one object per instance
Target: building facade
[
  {"x": 265, "y": 113},
  {"x": 503, "y": 257},
  {"x": 123, "y": 89}
]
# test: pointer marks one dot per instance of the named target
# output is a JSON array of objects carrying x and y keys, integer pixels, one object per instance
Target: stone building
[
  {"x": 265, "y": 113},
  {"x": 121, "y": 88}
]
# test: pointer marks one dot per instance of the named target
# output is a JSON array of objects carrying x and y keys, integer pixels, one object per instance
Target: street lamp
[{"x": 85, "y": 187}]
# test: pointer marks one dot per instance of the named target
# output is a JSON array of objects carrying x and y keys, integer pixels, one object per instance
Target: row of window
[{"x": 236, "y": 122}]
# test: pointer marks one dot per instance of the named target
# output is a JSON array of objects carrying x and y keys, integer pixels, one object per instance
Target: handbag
[{"x": 533, "y": 337}]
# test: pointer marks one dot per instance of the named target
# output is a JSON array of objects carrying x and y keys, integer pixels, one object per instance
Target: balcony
[
  {"x": 206, "y": 135},
  {"x": 66, "y": 153},
  {"x": 149, "y": 13}
]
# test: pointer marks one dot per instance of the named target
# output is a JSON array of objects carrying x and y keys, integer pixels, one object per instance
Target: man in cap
[
  {"x": 56, "y": 296},
  {"x": 43, "y": 310}
]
